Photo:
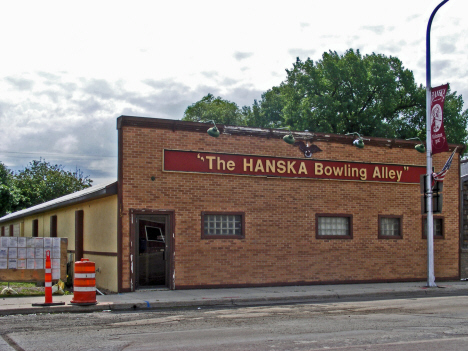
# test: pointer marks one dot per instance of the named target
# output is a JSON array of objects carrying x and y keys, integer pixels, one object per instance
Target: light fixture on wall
[
  {"x": 419, "y": 147},
  {"x": 359, "y": 142},
  {"x": 289, "y": 138},
  {"x": 213, "y": 131}
]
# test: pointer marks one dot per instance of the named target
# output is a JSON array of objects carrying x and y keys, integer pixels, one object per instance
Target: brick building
[
  {"x": 247, "y": 209},
  {"x": 464, "y": 218}
]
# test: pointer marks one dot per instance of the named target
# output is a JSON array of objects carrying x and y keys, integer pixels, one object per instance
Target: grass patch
[
  {"x": 18, "y": 285},
  {"x": 22, "y": 289}
]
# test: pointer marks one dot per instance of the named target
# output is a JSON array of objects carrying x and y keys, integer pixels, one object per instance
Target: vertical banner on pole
[{"x": 438, "y": 139}]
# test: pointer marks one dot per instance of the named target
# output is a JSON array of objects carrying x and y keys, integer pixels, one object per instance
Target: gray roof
[{"x": 91, "y": 193}]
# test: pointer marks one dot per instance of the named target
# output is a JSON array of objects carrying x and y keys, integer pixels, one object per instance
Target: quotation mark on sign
[
  {"x": 201, "y": 157},
  {"x": 405, "y": 168}
]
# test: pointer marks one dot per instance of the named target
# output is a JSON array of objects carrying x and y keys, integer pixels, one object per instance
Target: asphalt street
[{"x": 423, "y": 323}]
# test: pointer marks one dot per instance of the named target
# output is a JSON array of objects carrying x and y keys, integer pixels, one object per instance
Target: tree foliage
[
  {"x": 268, "y": 113},
  {"x": 210, "y": 108},
  {"x": 349, "y": 93},
  {"x": 6, "y": 196},
  {"x": 39, "y": 182},
  {"x": 372, "y": 95}
]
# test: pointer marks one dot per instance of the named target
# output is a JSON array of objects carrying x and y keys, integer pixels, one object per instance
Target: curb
[{"x": 233, "y": 302}]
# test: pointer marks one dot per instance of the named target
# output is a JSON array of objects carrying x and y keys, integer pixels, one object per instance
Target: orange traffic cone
[
  {"x": 48, "y": 284},
  {"x": 48, "y": 278}
]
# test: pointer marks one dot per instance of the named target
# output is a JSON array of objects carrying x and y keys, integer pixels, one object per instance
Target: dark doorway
[{"x": 153, "y": 250}]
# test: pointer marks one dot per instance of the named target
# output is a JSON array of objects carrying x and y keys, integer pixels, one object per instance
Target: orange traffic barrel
[{"x": 84, "y": 283}]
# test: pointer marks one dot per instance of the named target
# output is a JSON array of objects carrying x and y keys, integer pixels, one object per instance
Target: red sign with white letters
[{"x": 267, "y": 166}]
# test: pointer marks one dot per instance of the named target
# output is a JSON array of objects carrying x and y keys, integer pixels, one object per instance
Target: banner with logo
[{"x": 438, "y": 139}]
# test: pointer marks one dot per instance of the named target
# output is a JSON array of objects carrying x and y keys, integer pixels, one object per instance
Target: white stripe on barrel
[
  {"x": 85, "y": 275},
  {"x": 83, "y": 288}
]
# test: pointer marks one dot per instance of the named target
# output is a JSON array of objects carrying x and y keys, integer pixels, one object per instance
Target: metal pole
[{"x": 430, "y": 221}]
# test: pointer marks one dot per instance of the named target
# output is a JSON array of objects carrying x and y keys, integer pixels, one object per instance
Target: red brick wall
[{"x": 280, "y": 246}]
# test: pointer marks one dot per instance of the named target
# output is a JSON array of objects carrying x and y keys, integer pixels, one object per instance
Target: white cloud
[
  {"x": 239, "y": 56},
  {"x": 375, "y": 29},
  {"x": 65, "y": 144}
]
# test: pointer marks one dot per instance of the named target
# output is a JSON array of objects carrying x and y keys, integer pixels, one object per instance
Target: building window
[
  {"x": 16, "y": 230},
  {"x": 333, "y": 226},
  {"x": 3, "y": 231},
  {"x": 438, "y": 227},
  {"x": 390, "y": 227},
  {"x": 53, "y": 226},
  {"x": 79, "y": 234},
  {"x": 35, "y": 228},
  {"x": 217, "y": 225}
]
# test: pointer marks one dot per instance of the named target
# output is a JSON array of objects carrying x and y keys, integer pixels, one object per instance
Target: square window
[
  {"x": 217, "y": 225},
  {"x": 331, "y": 226},
  {"x": 390, "y": 227},
  {"x": 438, "y": 227}
]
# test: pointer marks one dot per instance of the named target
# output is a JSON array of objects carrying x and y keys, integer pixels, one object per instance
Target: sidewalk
[{"x": 158, "y": 299}]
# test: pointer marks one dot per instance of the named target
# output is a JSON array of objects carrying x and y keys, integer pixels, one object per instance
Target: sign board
[
  {"x": 438, "y": 138},
  {"x": 268, "y": 166},
  {"x": 22, "y": 259}
]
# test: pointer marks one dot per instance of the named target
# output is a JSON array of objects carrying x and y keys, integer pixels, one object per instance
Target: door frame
[{"x": 170, "y": 235}]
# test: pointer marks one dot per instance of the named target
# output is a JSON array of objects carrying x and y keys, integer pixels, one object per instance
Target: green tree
[
  {"x": 348, "y": 93},
  {"x": 268, "y": 113},
  {"x": 210, "y": 108},
  {"x": 5, "y": 192},
  {"x": 372, "y": 95},
  {"x": 413, "y": 123},
  {"x": 41, "y": 181},
  {"x": 455, "y": 119},
  {"x": 10, "y": 195}
]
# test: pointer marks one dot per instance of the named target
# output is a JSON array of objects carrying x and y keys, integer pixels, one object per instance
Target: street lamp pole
[{"x": 430, "y": 221}]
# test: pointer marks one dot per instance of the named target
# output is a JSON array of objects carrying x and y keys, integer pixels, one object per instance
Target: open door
[{"x": 153, "y": 250}]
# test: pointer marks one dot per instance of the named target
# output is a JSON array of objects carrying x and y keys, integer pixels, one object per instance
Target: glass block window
[
  {"x": 390, "y": 226},
  {"x": 222, "y": 224},
  {"x": 334, "y": 226},
  {"x": 438, "y": 227}
]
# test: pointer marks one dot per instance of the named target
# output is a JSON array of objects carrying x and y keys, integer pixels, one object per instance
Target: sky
[{"x": 69, "y": 69}]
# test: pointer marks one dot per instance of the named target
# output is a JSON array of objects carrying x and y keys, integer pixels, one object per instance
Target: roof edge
[
  {"x": 200, "y": 127},
  {"x": 67, "y": 200}
]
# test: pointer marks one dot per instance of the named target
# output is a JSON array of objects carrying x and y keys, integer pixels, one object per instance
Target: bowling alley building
[{"x": 245, "y": 208}]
